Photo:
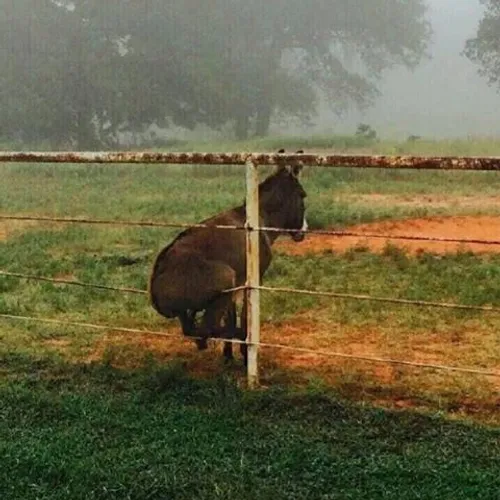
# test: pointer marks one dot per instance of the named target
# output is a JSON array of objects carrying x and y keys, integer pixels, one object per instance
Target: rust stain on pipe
[{"x": 356, "y": 161}]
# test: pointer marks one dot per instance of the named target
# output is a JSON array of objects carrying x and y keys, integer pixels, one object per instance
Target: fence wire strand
[
  {"x": 60, "y": 281},
  {"x": 371, "y": 298},
  {"x": 72, "y": 282},
  {"x": 317, "y": 293},
  {"x": 179, "y": 225},
  {"x": 370, "y": 359},
  {"x": 108, "y": 222}
]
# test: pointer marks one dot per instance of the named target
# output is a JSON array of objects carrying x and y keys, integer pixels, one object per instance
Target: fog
[
  {"x": 84, "y": 75},
  {"x": 444, "y": 97}
]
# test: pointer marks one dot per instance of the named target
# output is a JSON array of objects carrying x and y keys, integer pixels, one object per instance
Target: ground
[
  {"x": 465, "y": 227},
  {"x": 380, "y": 383},
  {"x": 102, "y": 414}
]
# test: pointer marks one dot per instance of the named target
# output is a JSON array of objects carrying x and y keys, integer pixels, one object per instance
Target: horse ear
[{"x": 281, "y": 167}]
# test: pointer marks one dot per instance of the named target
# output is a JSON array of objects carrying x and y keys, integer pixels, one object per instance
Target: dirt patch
[
  {"x": 132, "y": 351},
  {"x": 383, "y": 384},
  {"x": 462, "y": 227},
  {"x": 434, "y": 201}
]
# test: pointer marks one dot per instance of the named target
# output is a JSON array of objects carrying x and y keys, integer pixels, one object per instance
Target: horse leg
[
  {"x": 222, "y": 310},
  {"x": 188, "y": 323},
  {"x": 232, "y": 327},
  {"x": 243, "y": 331}
]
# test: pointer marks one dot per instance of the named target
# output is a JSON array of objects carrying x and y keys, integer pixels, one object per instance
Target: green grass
[
  {"x": 470, "y": 146},
  {"x": 95, "y": 256},
  {"x": 276, "y": 143},
  {"x": 462, "y": 338},
  {"x": 336, "y": 197},
  {"x": 346, "y": 144},
  {"x": 131, "y": 424},
  {"x": 95, "y": 432}
]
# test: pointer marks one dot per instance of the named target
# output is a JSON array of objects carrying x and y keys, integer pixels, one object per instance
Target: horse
[{"x": 193, "y": 273}]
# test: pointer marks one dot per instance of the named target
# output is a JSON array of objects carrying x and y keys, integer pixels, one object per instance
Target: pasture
[{"x": 86, "y": 414}]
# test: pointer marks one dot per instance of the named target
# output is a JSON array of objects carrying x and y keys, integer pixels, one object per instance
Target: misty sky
[{"x": 444, "y": 97}]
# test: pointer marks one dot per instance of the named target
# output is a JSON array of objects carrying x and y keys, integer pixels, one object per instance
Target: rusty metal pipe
[{"x": 337, "y": 160}]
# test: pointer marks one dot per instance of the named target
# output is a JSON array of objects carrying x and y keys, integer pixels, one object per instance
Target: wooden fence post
[{"x": 253, "y": 272}]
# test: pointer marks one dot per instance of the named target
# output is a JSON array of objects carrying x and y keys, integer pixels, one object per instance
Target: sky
[{"x": 444, "y": 97}]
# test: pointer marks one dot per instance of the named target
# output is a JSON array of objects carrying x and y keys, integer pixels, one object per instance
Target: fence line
[
  {"x": 422, "y": 303},
  {"x": 109, "y": 222},
  {"x": 179, "y": 225},
  {"x": 337, "y": 160},
  {"x": 370, "y": 359},
  {"x": 252, "y": 161},
  {"x": 72, "y": 282},
  {"x": 318, "y": 293},
  {"x": 90, "y": 285}
]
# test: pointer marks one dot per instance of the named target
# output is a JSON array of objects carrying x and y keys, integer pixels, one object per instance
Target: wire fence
[
  {"x": 180, "y": 225},
  {"x": 316, "y": 293},
  {"x": 252, "y": 160},
  {"x": 60, "y": 281},
  {"x": 303, "y": 350}
]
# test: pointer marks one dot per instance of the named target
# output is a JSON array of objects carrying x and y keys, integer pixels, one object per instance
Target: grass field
[
  {"x": 94, "y": 432},
  {"x": 87, "y": 414}
]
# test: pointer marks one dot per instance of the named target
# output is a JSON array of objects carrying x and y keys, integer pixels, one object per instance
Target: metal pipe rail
[{"x": 476, "y": 163}]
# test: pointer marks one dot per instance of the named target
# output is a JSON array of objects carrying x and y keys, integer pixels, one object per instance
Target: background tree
[
  {"x": 59, "y": 74},
  {"x": 245, "y": 62},
  {"x": 80, "y": 72},
  {"x": 484, "y": 49}
]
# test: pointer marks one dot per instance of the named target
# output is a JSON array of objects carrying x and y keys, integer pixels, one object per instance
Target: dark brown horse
[{"x": 191, "y": 274}]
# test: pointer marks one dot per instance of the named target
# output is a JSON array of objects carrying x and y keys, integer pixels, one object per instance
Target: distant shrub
[
  {"x": 366, "y": 131},
  {"x": 414, "y": 138}
]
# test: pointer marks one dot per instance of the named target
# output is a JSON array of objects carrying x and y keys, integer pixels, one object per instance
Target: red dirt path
[{"x": 462, "y": 227}]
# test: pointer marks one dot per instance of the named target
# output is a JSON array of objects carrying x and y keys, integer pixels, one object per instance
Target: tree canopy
[
  {"x": 79, "y": 72},
  {"x": 484, "y": 49}
]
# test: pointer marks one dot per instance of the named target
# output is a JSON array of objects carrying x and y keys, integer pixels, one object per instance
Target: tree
[
  {"x": 246, "y": 61},
  {"x": 80, "y": 72},
  {"x": 60, "y": 75},
  {"x": 318, "y": 34},
  {"x": 484, "y": 49}
]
